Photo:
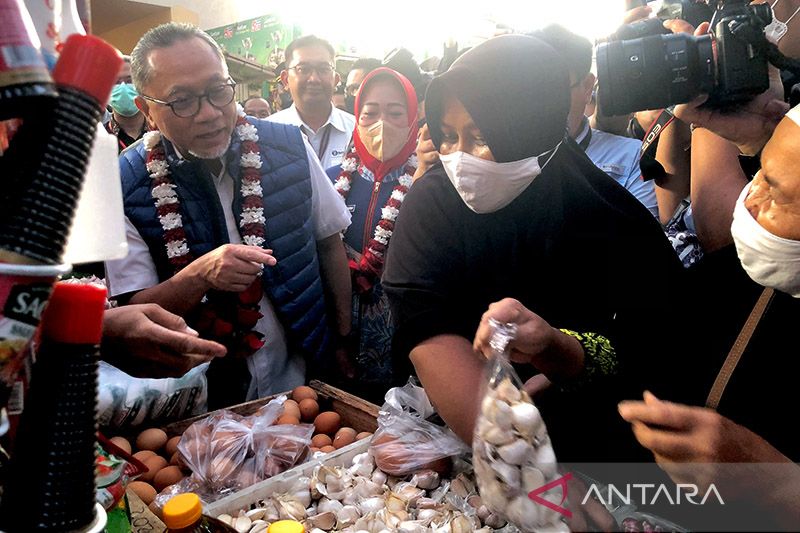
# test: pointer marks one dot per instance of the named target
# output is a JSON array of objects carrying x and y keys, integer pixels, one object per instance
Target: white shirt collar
[{"x": 336, "y": 119}]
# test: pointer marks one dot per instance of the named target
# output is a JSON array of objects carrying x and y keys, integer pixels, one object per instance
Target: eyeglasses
[
  {"x": 304, "y": 70},
  {"x": 218, "y": 96}
]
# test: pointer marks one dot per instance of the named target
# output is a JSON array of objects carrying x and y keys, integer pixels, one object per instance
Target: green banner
[{"x": 261, "y": 40}]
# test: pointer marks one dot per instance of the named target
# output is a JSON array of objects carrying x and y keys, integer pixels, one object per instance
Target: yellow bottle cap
[
  {"x": 286, "y": 526},
  {"x": 182, "y": 511}
]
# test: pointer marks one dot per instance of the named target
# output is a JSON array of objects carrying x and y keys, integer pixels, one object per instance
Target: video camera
[{"x": 643, "y": 66}]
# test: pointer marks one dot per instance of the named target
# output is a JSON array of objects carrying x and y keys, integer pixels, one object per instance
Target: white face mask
[
  {"x": 487, "y": 186},
  {"x": 769, "y": 260}
]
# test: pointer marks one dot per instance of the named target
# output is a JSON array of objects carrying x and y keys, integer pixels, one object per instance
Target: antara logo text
[{"x": 633, "y": 493}]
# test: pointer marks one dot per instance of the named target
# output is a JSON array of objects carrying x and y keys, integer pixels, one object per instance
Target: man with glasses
[
  {"x": 311, "y": 77},
  {"x": 235, "y": 228}
]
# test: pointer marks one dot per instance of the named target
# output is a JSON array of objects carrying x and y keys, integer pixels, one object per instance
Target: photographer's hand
[{"x": 750, "y": 126}]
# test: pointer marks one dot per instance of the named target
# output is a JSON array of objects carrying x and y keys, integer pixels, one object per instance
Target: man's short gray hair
[{"x": 163, "y": 36}]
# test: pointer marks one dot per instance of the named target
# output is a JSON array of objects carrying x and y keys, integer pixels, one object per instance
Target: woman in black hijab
[{"x": 516, "y": 213}]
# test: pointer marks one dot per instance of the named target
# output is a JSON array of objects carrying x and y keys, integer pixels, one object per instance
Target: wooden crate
[{"x": 356, "y": 413}]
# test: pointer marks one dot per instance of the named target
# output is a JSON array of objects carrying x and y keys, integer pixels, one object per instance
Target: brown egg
[
  {"x": 290, "y": 407},
  {"x": 363, "y": 435},
  {"x": 176, "y": 459},
  {"x": 287, "y": 420},
  {"x": 172, "y": 446},
  {"x": 327, "y": 449},
  {"x": 328, "y": 422},
  {"x": 151, "y": 439},
  {"x": 122, "y": 442},
  {"x": 169, "y": 475},
  {"x": 344, "y": 437},
  {"x": 144, "y": 491},
  {"x": 320, "y": 440},
  {"x": 302, "y": 392},
  {"x": 309, "y": 409},
  {"x": 153, "y": 464},
  {"x": 143, "y": 455}
]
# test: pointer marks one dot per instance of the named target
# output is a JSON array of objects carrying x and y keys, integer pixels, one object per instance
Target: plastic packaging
[
  {"x": 511, "y": 450},
  {"x": 184, "y": 514},
  {"x": 405, "y": 441},
  {"x": 113, "y": 469},
  {"x": 24, "y": 290},
  {"x": 51, "y": 483},
  {"x": 227, "y": 452},
  {"x": 126, "y": 402}
]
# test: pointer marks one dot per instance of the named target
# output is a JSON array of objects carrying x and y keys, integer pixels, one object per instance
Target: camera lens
[{"x": 653, "y": 72}]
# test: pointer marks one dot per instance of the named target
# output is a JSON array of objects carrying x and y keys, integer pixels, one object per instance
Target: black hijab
[{"x": 515, "y": 88}]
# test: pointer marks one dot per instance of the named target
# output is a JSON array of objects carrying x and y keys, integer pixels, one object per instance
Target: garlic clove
[
  {"x": 256, "y": 514},
  {"x": 526, "y": 418},
  {"x": 325, "y": 521},
  {"x": 426, "y": 479},
  {"x": 507, "y": 391},
  {"x": 475, "y": 501},
  {"x": 516, "y": 453},
  {"x": 242, "y": 524},
  {"x": 226, "y": 519},
  {"x": 507, "y": 473},
  {"x": 497, "y": 436},
  {"x": 379, "y": 477},
  {"x": 532, "y": 478},
  {"x": 494, "y": 521},
  {"x": 371, "y": 505},
  {"x": 347, "y": 516},
  {"x": 328, "y": 505},
  {"x": 259, "y": 526}
]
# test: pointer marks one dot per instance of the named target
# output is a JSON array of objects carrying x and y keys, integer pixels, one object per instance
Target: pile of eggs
[
  {"x": 160, "y": 455},
  {"x": 329, "y": 435}
]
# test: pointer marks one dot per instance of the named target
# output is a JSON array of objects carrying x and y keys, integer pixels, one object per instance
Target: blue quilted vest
[{"x": 294, "y": 285}]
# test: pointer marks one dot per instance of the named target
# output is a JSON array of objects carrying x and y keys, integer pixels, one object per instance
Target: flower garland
[
  {"x": 225, "y": 317},
  {"x": 368, "y": 271}
]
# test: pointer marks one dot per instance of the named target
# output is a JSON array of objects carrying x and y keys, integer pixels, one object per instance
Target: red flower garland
[
  {"x": 368, "y": 270},
  {"x": 225, "y": 317}
]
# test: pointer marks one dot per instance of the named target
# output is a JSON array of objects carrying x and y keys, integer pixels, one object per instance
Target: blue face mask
[{"x": 122, "y": 100}]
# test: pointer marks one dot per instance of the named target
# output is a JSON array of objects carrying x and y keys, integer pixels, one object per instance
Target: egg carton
[{"x": 248, "y": 497}]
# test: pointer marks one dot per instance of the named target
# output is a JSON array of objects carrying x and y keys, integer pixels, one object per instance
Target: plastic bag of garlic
[{"x": 511, "y": 450}]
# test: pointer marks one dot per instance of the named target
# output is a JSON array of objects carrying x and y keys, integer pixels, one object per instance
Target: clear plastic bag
[
  {"x": 126, "y": 402},
  {"x": 406, "y": 442},
  {"x": 227, "y": 452},
  {"x": 511, "y": 450}
]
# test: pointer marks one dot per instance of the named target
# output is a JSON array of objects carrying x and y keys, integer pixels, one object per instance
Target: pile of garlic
[
  {"x": 362, "y": 498},
  {"x": 512, "y": 456}
]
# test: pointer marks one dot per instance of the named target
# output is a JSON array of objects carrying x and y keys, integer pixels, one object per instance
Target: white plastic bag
[{"x": 127, "y": 402}]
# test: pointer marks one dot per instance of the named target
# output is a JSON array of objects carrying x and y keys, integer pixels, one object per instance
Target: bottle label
[
  {"x": 22, "y": 300},
  {"x": 21, "y": 61}
]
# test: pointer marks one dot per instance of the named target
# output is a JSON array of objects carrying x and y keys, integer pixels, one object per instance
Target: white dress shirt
[{"x": 335, "y": 134}]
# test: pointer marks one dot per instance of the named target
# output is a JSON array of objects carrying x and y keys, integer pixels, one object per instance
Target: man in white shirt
[
  {"x": 311, "y": 78},
  {"x": 192, "y": 199}
]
